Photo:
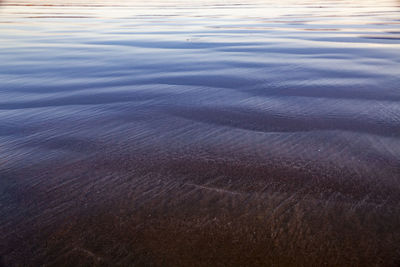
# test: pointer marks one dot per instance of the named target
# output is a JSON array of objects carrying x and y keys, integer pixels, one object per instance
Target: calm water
[{"x": 200, "y": 132}]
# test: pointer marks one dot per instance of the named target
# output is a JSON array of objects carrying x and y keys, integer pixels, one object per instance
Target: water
[{"x": 213, "y": 132}]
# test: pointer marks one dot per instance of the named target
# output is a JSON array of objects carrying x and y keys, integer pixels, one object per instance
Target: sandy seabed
[{"x": 168, "y": 133}]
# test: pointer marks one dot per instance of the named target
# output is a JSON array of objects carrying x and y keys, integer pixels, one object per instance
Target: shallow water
[{"x": 131, "y": 131}]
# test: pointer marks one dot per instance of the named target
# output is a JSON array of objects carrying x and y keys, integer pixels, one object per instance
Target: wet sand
[{"x": 199, "y": 134}]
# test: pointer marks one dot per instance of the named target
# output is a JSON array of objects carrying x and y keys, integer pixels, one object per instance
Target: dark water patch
[
  {"x": 276, "y": 122},
  {"x": 65, "y": 143},
  {"x": 14, "y": 130},
  {"x": 332, "y": 92},
  {"x": 90, "y": 99},
  {"x": 394, "y": 38}
]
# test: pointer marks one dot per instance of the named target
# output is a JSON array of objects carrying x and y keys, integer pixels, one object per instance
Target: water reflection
[{"x": 255, "y": 133}]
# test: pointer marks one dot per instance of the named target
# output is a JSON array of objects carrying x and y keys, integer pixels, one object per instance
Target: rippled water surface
[{"x": 179, "y": 133}]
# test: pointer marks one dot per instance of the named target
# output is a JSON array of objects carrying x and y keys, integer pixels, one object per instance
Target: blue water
[{"x": 91, "y": 92}]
